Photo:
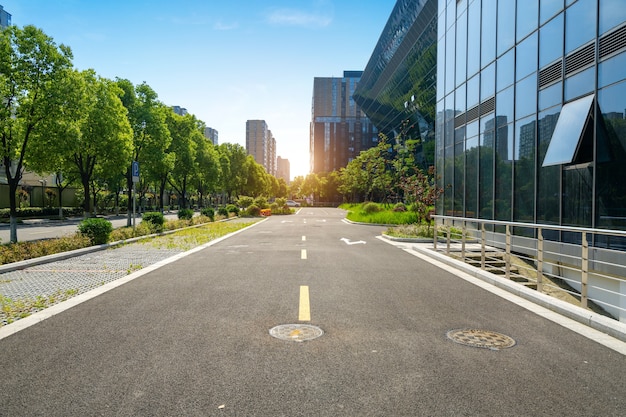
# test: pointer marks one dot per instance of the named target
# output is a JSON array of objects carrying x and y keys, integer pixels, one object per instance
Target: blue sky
[{"x": 225, "y": 61}]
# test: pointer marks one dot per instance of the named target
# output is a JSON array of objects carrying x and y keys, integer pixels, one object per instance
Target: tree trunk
[
  {"x": 13, "y": 182},
  {"x": 161, "y": 193},
  {"x": 129, "y": 192},
  {"x": 87, "y": 196}
]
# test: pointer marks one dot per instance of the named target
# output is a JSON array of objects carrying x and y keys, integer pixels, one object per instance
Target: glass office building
[
  {"x": 339, "y": 129},
  {"x": 530, "y": 112},
  {"x": 398, "y": 88}
]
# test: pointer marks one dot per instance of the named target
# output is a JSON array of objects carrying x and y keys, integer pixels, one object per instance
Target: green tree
[
  {"x": 31, "y": 65},
  {"x": 235, "y": 175},
  {"x": 151, "y": 137},
  {"x": 184, "y": 146}
]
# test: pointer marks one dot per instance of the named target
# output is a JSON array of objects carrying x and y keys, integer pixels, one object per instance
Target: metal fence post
[
  {"x": 482, "y": 245},
  {"x": 463, "y": 240},
  {"x": 448, "y": 240},
  {"x": 435, "y": 234},
  {"x": 584, "y": 271},
  {"x": 507, "y": 256},
  {"x": 539, "y": 260}
]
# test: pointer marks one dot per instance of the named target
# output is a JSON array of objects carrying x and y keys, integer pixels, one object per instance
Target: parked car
[{"x": 292, "y": 203}]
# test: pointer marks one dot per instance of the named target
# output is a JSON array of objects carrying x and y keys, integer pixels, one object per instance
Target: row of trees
[{"x": 87, "y": 129}]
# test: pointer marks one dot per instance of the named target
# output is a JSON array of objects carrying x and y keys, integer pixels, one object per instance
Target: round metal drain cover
[
  {"x": 481, "y": 338},
  {"x": 296, "y": 332}
]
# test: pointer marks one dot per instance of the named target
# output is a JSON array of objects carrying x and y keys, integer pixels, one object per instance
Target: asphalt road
[
  {"x": 37, "y": 229},
  {"x": 192, "y": 339}
]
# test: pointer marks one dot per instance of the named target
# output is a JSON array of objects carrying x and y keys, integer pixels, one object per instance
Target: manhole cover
[
  {"x": 481, "y": 339},
  {"x": 296, "y": 332}
]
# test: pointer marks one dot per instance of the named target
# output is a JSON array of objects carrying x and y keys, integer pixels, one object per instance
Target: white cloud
[
  {"x": 291, "y": 17},
  {"x": 219, "y": 25}
]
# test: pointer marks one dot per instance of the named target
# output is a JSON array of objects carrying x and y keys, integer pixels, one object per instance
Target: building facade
[
  {"x": 531, "y": 102},
  {"x": 283, "y": 169},
  {"x": 398, "y": 91},
  {"x": 5, "y": 18},
  {"x": 261, "y": 144},
  {"x": 212, "y": 135},
  {"x": 339, "y": 129}
]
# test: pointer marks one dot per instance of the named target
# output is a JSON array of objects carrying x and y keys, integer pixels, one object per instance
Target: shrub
[
  {"x": 261, "y": 202},
  {"x": 231, "y": 208},
  {"x": 369, "y": 208},
  {"x": 185, "y": 214},
  {"x": 253, "y": 210},
  {"x": 281, "y": 202},
  {"x": 399, "y": 207},
  {"x": 97, "y": 230},
  {"x": 155, "y": 220},
  {"x": 245, "y": 202},
  {"x": 208, "y": 212},
  {"x": 222, "y": 211}
]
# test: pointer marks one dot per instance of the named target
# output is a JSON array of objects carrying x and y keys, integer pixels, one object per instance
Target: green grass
[{"x": 386, "y": 215}]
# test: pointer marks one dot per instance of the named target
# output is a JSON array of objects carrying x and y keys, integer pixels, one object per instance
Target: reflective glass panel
[
  {"x": 459, "y": 100},
  {"x": 459, "y": 176},
  {"x": 612, "y": 70},
  {"x": 549, "y": 8},
  {"x": 527, "y": 17},
  {"x": 526, "y": 57},
  {"x": 488, "y": 39},
  {"x": 450, "y": 61},
  {"x": 503, "y": 172},
  {"x": 582, "y": 83},
  {"x": 526, "y": 97},
  {"x": 551, "y": 41},
  {"x": 612, "y": 13},
  {"x": 550, "y": 96},
  {"x": 471, "y": 177},
  {"x": 506, "y": 25},
  {"x": 548, "y": 181},
  {"x": 461, "y": 49},
  {"x": 505, "y": 75},
  {"x": 473, "y": 38},
  {"x": 486, "y": 160},
  {"x": 524, "y": 187},
  {"x": 611, "y": 170},
  {"x": 488, "y": 82},
  {"x": 580, "y": 24},
  {"x": 504, "y": 106},
  {"x": 473, "y": 91},
  {"x": 568, "y": 132}
]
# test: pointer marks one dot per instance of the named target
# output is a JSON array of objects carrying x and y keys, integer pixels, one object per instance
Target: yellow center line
[
  {"x": 304, "y": 313},
  {"x": 303, "y": 254}
]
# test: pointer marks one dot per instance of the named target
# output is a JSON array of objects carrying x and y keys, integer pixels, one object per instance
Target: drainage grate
[
  {"x": 481, "y": 338},
  {"x": 296, "y": 332}
]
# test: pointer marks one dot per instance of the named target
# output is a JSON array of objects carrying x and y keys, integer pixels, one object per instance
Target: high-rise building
[
  {"x": 261, "y": 144},
  {"x": 398, "y": 88},
  {"x": 181, "y": 111},
  {"x": 5, "y": 18},
  {"x": 339, "y": 129},
  {"x": 283, "y": 169},
  {"x": 211, "y": 134}
]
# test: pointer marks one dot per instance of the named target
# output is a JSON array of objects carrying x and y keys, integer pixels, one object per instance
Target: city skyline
[{"x": 224, "y": 63}]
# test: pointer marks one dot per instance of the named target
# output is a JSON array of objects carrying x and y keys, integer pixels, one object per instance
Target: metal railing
[{"x": 580, "y": 262}]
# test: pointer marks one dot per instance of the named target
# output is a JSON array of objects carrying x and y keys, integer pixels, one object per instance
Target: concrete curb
[{"x": 598, "y": 322}]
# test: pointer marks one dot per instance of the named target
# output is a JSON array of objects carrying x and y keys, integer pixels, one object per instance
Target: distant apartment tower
[
  {"x": 261, "y": 144},
  {"x": 283, "y": 169},
  {"x": 181, "y": 111},
  {"x": 339, "y": 129},
  {"x": 5, "y": 18},
  {"x": 211, "y": 134}
]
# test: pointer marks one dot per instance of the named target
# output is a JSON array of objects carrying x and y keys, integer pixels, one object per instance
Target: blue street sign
[{"x": 135, "y": 171}]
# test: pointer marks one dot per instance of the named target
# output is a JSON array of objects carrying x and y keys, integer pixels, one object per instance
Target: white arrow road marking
[
  {"x": 348, "y": 242},
  {"x": 321, "y": 221},
  {"x": 286, "y": 221}
]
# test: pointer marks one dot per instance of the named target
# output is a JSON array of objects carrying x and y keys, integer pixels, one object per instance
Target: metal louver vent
[
  {"x": 459, "y": 120},
  {"x": 550, "y": 74},
  {"x": 472, "y": 114},
  {"x": 488, "y": 106},
  {"x": 612, "y": 42},
  {"x": 580, "y": 59}
]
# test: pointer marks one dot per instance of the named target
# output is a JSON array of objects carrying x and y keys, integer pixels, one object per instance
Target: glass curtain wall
[{"x": 513, "y": 71}]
